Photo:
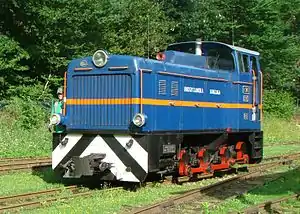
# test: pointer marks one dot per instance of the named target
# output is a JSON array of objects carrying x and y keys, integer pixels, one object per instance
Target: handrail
[
  {"x": 254, "y": 89},
  {"x": 141, "y": 91},
  {"x": 65, "y": 92},
  {"x": 261, "y": 95}
]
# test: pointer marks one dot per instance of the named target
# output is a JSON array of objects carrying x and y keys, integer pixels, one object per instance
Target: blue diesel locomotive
[{"x": 196, "y": 109}]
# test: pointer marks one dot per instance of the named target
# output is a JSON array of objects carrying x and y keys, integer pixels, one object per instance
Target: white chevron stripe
[
  {"x": 136, "y": 150},
  {"x": 98, "y": 145},
  {"x": 61, "y": 151}
]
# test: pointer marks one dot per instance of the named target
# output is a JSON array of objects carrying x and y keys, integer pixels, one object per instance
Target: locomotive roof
[{"x": 221, "y": 43}]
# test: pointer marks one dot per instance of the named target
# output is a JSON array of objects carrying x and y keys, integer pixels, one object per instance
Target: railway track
[
  {"x": 267, "y": 205},
  {"x": 281, "y": 157},
  {"x": 22, "y": 158},
  {"x": 192, "y": 194},
  {"x": 40, "y": 198},
  {"x": 12, "y": 164},
  {"x": 283, "y": 144}
]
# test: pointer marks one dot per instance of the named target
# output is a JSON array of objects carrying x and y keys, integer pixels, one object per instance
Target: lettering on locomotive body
[
  {"x": 215, "y": 91},
  {"x": 246, "y": 89},
  {"x": 83, "y": 63},
  {"x": 193, "y": 90}
]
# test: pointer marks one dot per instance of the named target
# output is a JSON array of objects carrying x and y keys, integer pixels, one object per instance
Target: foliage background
[{"x": 39, "y": 38}]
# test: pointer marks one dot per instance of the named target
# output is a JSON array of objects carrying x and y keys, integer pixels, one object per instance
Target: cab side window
[
  {"x": 253, "y": 63},
  {"x": 243, "y": 62}
]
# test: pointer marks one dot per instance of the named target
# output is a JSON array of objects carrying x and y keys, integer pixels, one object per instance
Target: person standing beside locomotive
[
  {"x": 58, "y": 105},
  {"x": 57, "y": 108}
]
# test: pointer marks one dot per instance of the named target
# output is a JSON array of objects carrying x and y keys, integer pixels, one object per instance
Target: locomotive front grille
[{"x": 102, "y": 101}]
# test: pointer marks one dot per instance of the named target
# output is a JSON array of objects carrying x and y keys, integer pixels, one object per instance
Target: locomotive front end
[{"x": 99, "y": 112}]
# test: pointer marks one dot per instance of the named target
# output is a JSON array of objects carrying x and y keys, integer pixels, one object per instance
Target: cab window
[
  {"x": 254, "y": 63},
  {"x": 219, "y": 59},
  {"x": 183, "y": 47},
  {"x": 243, "y": 62}
]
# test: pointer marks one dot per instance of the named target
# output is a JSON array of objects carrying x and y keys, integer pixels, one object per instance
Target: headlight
[
  {"x": 139, "y": 120},
  {"x": 100, "y": 58},
  {"x": 55, "y": 119}
]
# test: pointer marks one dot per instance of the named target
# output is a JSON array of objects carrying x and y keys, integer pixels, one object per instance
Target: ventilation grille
[
  {"x": 174, "y": 88},
  {"x": 162, "y": 87},
  {"x": 108, "y": 97}
]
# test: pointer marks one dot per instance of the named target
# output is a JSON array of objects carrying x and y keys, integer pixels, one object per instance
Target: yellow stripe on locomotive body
[{"x": 157, "y": 102}]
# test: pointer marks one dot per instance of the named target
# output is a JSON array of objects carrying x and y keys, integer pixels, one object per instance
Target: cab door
[
  {"x": 257, "y": 90},
  {"x": 247, "y": 93}
]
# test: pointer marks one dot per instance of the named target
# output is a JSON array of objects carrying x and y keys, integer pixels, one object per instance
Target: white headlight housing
[
  {"x": 100, "y": 58},
  {"x": 55, "y": 119},
  {"x": 139, "y": 120}
]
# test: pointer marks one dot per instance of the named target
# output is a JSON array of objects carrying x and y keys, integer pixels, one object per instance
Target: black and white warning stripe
[{"x": 122, "y": 157}]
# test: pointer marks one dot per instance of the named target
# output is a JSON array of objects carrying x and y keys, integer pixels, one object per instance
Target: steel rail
[
  {"x": 191, "y": 194},
  {"x": 267, "y": 204},
  {"x": 283, "y": 144},
  {"x": 32, "y": 196},
  {"x": 5, "y": 199},
  {"x": 282, "y": 156},
  {"x": 13, "y": 159},
  {"x": 24, "y": 164}
]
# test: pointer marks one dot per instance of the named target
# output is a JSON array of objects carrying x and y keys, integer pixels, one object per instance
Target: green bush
[
  {"x": 278, "y": 103},
  {"x": 31, "y": 92},
  {"x": 16, "y": 141},
  {"x": 29, "y": 106},
  {"x": 26, "y": 114},
  {"x": 23, "y": 129}
]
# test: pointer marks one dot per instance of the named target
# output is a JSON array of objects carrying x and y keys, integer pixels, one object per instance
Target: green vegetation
[
  {"x": 278, "y": 103},
  {"x": 22, "y": 182},
  {"x": 279, "y": 130},
  {"x": 281, "y": 150},
  {"x": 23, "y": 128}
]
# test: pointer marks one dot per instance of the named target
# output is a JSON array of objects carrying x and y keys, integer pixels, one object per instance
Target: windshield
[
  {"x": 183, "y": 47},
  {"x": 218, "y": 56}
]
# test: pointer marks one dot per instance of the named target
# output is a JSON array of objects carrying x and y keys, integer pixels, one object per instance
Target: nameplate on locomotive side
[
  {"x": 193, "y": 90},
  {"x": 171, "y": 148}
]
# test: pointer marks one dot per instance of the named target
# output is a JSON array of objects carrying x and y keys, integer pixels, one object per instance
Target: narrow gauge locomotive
[{"x": 196, "y": 109}]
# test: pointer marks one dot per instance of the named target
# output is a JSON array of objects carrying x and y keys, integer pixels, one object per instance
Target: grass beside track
[
  {"x": 23, "y": 182},
  {"x": 119, "y": 200},
  {"x": 18, "y": 142},
  {"x": 287, "y": 185},
  {"x": 115, "y": 201},
  {"x": 280, "y": 131},
  {"x": 108, "y": 202},
  {"x": 281, "y": 150}
]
